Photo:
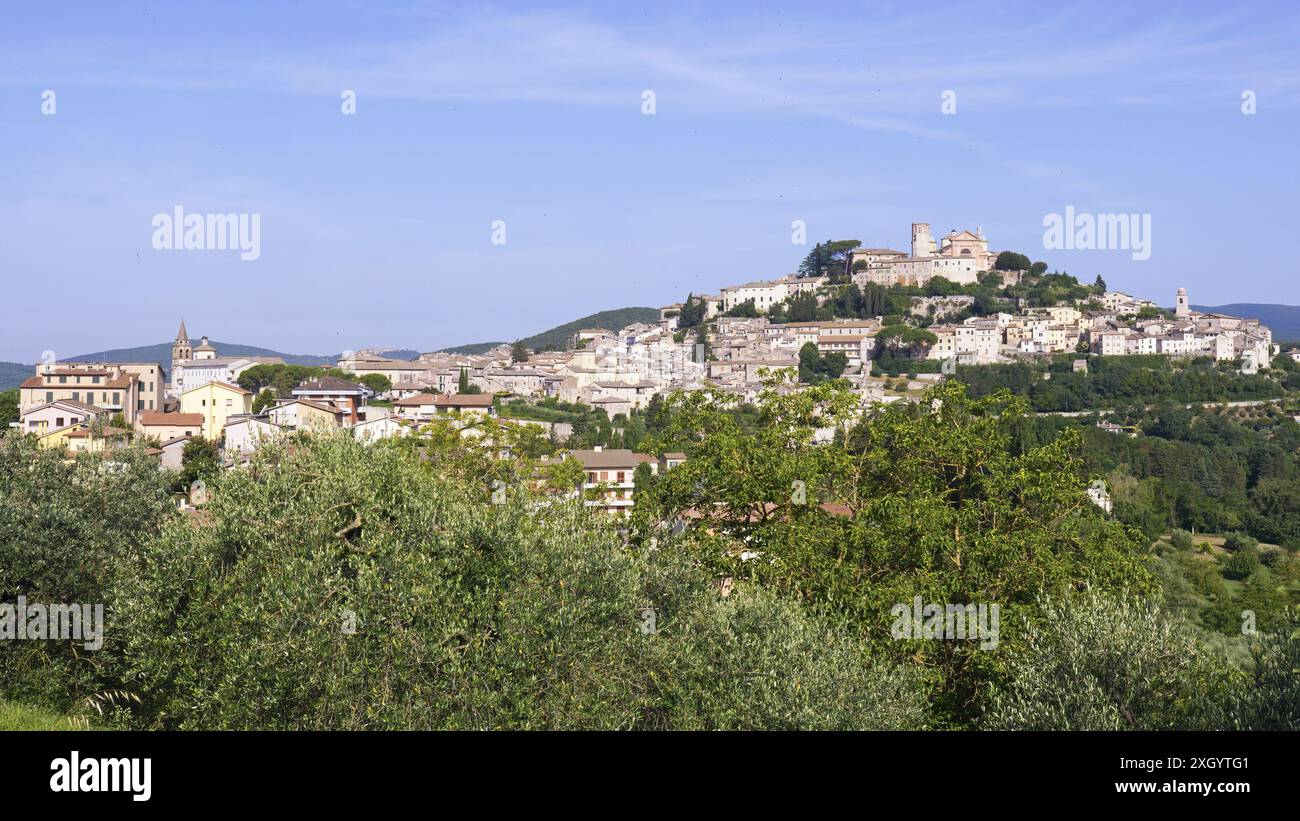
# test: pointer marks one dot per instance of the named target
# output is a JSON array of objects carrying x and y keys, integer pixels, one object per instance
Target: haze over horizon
[{"x": 377, "y": 226}]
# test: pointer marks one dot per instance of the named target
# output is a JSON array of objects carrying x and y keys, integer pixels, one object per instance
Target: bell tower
[
  {"x": 182, "y": 352},
  {"x": 1182, "y": 309}
]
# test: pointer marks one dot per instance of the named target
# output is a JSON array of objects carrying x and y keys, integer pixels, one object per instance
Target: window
[
  {"x": 117, "y": 398},
  {"x": 94, "y": 380},
  {"x": 49, "y": 396},
  {"x": 76, "y": 396},
  {"x": 58, "y": 421},
  {"x": 63, "y": 380}
]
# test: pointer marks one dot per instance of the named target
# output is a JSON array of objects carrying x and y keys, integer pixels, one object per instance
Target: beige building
[
  {"x": 48, "y": 417},
  {"x": 215, "y": 402},
  {"x": 305, "y": 414},
  {"x": 149, "y": 375},
  {"x": 108, "y": 387},
  {"x": 396, "y": 370},
  {"x": 167, "y": 426}
]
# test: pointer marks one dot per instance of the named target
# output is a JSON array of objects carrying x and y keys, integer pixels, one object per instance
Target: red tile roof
[{"x": 179, "y": 419}]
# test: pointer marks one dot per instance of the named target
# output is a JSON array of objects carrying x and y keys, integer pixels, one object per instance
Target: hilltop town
[{"x": 890, "y": 322}]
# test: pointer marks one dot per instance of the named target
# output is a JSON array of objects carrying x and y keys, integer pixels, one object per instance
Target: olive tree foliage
[
  {"x": 67, "y": 530},
  {"x": 333, "y": 585},
  {"x": 852, "y": 511},
  {"x": 757, "y": 661},
  {"x": 1269, "y": 699},
  {"x": 1098, "y": 662}
]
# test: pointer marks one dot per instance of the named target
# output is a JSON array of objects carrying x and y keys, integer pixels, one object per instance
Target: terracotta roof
[
  {"x": 415, "y": 401},
  {"x": 72, "y": 403},
  {"x": 160, "y": 418},
  {"x": 615, "y": 458},
  {"x": 324, "y": 406},
  {"x": 464, "y": 400}
]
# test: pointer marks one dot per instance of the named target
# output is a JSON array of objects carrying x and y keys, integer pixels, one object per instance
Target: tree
[
  {"x": 508, "y": 615},
  {"x": 284, "y": 378},
  {"x": 692, "y": 313},
  {"x": 935, "y": 498},
  {"x": 1012, "y": 261},
  {"x": 68, "y": 528},
  {"x": 8, "y": 407},
  {"x": 377, "y": 382},
  {"x": 262, "y": 401},
  {"x": 1242, "y": 564},
  {"x": 744, "y": 309},
  {"x": 519, "y": 351},
  {"x": 463, "y": 383},
  {"x": 802, "y": 308},
  {"x": 827, "y": 258},
  {"x": 816, "y": 367},
  {"x": 200, "y": 461},
  {"x": 1106, "y": 663},
  {"x": 1099, "y": 285}
]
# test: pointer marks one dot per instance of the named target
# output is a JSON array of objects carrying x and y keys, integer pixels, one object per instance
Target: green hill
[
  {"x": 12, "y": 374},
  {"x": 162, "y": 353},
  {"x": 556, "y": 338},
  {"x": 1283, "y": 320}
]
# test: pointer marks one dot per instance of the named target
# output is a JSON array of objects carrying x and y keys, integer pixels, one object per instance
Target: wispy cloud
[{"x": 875, "y": 74}]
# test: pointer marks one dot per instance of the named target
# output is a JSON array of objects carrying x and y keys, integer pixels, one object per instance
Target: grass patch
[{"x": 22, "y": 718}]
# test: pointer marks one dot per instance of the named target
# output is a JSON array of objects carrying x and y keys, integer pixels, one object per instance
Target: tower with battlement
[{"x": 922, "y": 241}]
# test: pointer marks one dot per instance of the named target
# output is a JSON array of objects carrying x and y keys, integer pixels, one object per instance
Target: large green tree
[{"x": 936, "y": 499}]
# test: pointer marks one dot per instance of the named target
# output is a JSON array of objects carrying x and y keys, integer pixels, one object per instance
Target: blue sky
[{"x": 376, "y": 228}]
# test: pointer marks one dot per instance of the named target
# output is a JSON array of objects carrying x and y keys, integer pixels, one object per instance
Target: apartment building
[
  {"x": 611, "y": 477},
  {"x": 108, "y": 387},
  {"x": 348, "y": 397},
  {"x": 48, "y": 417},
  {"x": 201, "y": 371},
  {"x": 150, "y": 376},
  {"x": 168, "y": 426},
  {"x": 215, "y": 402}
]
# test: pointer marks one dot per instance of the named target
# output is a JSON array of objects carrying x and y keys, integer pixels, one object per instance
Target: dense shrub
[
  {"x": 66, "y": 526},
  {"x": 1099, "y": 663},
  {"x": 467, "y": 615}
]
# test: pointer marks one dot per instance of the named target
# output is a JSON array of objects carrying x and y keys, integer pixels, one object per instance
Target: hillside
[
  {"x": 1284, "y": 320},
  {"x": 12, "y": 374},
  {"x": 162, "y": 353},
  {"x": 557, "y": 337}
]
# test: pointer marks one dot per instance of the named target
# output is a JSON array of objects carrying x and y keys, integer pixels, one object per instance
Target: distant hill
[
  {"x": 162, "y": 353},
  {"x": 1284, "y": 320},
  {"x": 398, "y": 353},
  {"x": 12, "y": 374},
  {"x": 474, "y": 347},
  {"x": 558, "y": 336}
]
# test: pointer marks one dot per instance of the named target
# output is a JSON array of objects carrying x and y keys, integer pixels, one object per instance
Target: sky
[{"x": 383, "y": 227}]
